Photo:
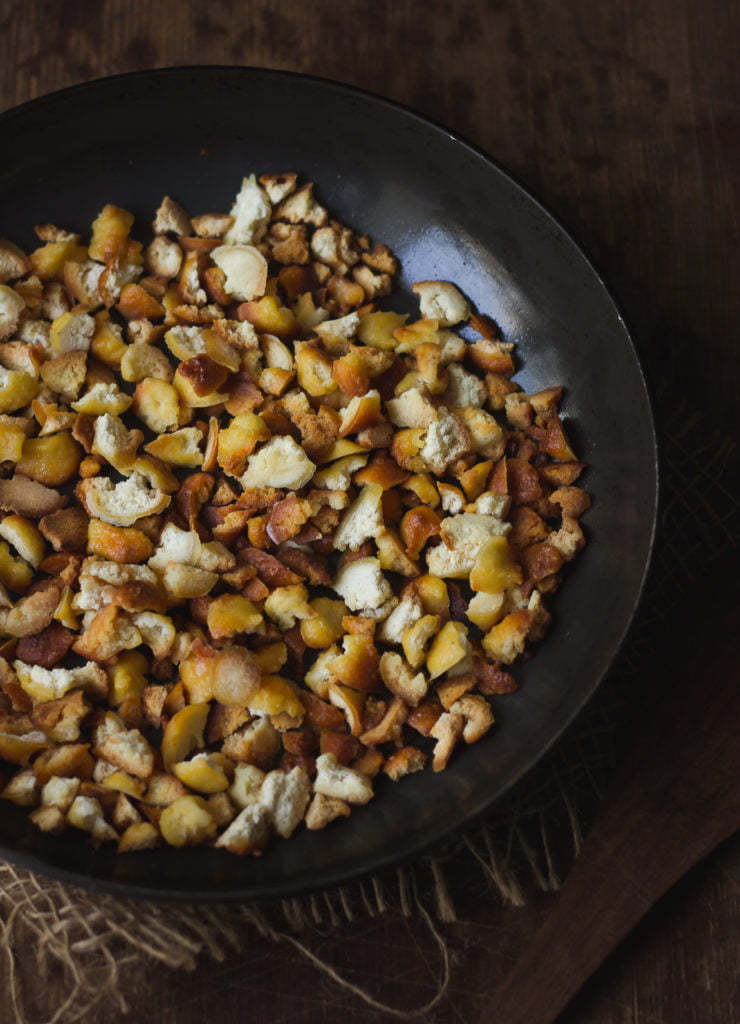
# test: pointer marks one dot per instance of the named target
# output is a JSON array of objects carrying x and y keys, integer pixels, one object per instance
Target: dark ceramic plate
[{"x": 448, "y": 212}]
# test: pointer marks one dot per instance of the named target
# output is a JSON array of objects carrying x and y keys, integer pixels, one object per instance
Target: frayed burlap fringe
[{"x": 99, "y": 942}]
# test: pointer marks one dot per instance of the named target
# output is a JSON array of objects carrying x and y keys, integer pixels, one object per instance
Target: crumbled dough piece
[
  {"x": 490, "y": 504},
  {"x": 413, "y": 408},
  {"x": 164, "y": 257},
  {"x": 65, "y": 374},
  {"x": 278, "y": 186},
  {"x": 71, "y": 332},
  {"x": 333, "y": 332},
  {"x": 239, "y": 333},
  {"x": 60, "y": 792},
  {"x": 302, "y": 206},
  {"x": 11, "y": 307},
  {"x": 320, "y": 676},
  {"x": 476, "y": 711},
  {"x": 245, "y": 270},
  {"x": 408, "y": 611},
  {"x": 569, "y": 539},
  {"x": 336, "y": 247},
  {"x": 249, "y": 832},
  {"x": 171, "y": 217},
  {"x": 463, "y": 536},
  {"x": 285, "y": 605},
  {"x": 285, "y": 797},
  {"x": 452, "y": 347},
  {"x": 442, "y": 301},
  {"x": 447, "y": 730},
  {"x": 251, "y": 212},
  {"x": 186, "y": 342},
  {"x": 338, "y": 476},
  {"x": 35, "y": 332},
  {"x": 363, "y": 587},
  {"x": 246, "y": 785},
  {"x": 281, "y": 462},
  {"x": 122, "y": 504},
  {"x": 115, "y": 442},
  {"x": 463, "y": 389},
  {"x": 44, "y": 684},
  {"x": 33, "y": 613},
  {"x": 324, "y": 810},
  {"x": 362, "y": 520},
  {"x": 212, "y": 225},
  {"x": 13, "y": 261},
  {"x": 86, "y": 813},
  {"x": 341, "y": 783},
  {"x": 103, "y": 397},
  {"x": 158, "y": 631},
  {"x": 130, "y": 752},
  {"x": 401, "y": 680},
  {"x": 100, "y": 578},
  {"x": 446, "y": 440},
  {"x": 29, "y": 497},
  {"x": 141, "y": 360},
  {"x": 176, "y": 545}
]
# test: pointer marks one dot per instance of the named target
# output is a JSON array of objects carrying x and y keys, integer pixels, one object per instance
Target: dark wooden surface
[
  {"x": 625, "y": 119},
  {"x": 670, "y": 803}
]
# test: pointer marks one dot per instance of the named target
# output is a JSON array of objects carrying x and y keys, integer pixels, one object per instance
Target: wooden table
[{"x": 625, "y": 119}]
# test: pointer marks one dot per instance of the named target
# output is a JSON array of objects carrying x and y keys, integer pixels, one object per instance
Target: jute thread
[
  {"x": 99, "y": 942},
  {"x": 363, "y": 994}
]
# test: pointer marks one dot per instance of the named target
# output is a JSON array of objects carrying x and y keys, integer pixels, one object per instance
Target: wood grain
[
  {"x": 625, "y": 120},
  {"x": 676, "y": 797}
]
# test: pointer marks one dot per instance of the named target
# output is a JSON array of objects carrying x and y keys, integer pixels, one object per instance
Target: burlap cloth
[{"x": 97, "y": 941}]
